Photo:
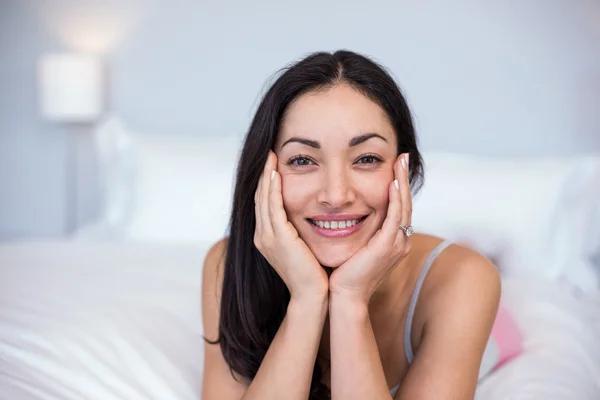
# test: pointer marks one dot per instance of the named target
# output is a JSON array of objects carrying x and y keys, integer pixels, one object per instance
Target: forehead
[{"x": 334, "y": 114}]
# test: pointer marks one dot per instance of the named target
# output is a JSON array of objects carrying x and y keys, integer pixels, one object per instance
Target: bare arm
[
  {"x": 356, "y": 370},
  {"x": 286, "y": 370}
]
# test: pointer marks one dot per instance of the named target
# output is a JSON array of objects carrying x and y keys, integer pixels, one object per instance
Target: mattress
[{"x": 123, "y": 321}]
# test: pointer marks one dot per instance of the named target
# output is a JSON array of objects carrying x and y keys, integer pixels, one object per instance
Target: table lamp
[
  {"x": 71, "y": 89},
  {"x": 71, "y": 92}
]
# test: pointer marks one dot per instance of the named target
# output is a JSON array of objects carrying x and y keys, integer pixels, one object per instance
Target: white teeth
[{"x": 335, "y": 224}]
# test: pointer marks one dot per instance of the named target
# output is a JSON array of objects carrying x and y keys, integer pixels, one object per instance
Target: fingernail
[
  {"x": 272, "y": 174},
  {"x": 407, "y": 159},
  {"x": 396, "y": 184},
  {"x": 403, "y": 162}
]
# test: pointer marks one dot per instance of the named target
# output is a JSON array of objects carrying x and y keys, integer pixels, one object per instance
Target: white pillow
[
  {"x": 526, "y": 213},
  {"x": 183, "y": 188},
  {"x": 113, "y": 146}
]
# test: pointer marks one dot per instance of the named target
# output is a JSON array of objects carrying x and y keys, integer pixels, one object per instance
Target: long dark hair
[{"x": 254, "y": 298}]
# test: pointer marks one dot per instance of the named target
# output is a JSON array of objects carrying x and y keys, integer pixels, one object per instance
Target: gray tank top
[{"x": 408, "y": 350}]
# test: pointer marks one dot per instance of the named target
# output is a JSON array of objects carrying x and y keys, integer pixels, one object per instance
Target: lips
[
  {"x": 337, "y": 228},
  {"x": 336, "y": 223}
]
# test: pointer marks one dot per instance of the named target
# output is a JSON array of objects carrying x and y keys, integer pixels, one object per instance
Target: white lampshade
[{"x": 71, "y": 87}]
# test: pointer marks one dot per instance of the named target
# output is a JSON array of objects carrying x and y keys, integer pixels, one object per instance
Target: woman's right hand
[{"x": 278, "y": 241}]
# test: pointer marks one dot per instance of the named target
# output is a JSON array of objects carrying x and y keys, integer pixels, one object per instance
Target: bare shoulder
[
  {"x": 215, "y": 257},
  {"x": 214, "y": 264},
  {"x": 464, "y": 280},
  {"x": 465, "y": 268},
  {"x": 455, "y": 267},
  {"x": 217, "y": 381},
  {"x": 212, "y": 282}
]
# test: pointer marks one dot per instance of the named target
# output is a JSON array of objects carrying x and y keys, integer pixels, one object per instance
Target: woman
[{"x": 314, "y": 293}]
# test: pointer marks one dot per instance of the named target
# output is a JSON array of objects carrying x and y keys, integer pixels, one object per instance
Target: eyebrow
[{"x": 355, "y": 141}]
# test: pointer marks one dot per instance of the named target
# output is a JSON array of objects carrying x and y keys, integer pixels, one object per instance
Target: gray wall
[
  {"x": 488, "y": 77},
  {"x": 33, "y": 154}
]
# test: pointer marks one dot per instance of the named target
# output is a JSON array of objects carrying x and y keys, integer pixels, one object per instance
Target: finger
[
  {"x": 276, "y": 210},
  {"x": 394, "y": 214},
  {"x": 267, "y": 227},
  {"x": 406, "y": 197},
  {"x": 257, "y": 206}
]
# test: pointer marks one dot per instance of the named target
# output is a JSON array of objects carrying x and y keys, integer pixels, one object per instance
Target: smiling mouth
[{"x": 333, "y": 225}]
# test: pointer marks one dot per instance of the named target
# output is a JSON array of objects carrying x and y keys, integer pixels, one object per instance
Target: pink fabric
[{"x": 507, "y": 336}]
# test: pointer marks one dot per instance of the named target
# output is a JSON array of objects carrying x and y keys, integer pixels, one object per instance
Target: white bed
[
  {"x": 100, "y": 321},
  {"x": 119, "y": 317},
  {"x": 122, "y": 321}
]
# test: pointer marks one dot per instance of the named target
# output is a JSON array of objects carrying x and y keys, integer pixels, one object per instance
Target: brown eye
[
  {"x": 300, "y": 161},
  {"x": 369, "y": 159}
]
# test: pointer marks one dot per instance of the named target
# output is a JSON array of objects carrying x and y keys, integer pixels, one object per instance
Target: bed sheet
[
  {"x": 100, "y": 321},
  {"x": 561, "y": 359},
  {"x": 122, "y": 321}
]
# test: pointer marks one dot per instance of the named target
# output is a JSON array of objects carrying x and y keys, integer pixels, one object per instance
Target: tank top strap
[{"x": 408, "y": 350}]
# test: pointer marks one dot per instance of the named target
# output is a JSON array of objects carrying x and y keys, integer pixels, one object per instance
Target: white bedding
[
  {"x": 100, "y": 321},
  {"x": 562, "y": 351},
  {"x": 122, "y": 321}
]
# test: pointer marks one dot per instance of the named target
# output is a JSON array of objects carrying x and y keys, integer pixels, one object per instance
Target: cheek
[
  {"x": 296, "y": 193},
  {"x": 375, "y": 190}
]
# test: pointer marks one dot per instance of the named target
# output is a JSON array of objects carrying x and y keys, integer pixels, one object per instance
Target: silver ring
[{"x": 408, "y": 230}]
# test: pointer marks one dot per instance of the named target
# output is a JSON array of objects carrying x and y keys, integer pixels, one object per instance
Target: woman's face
[{"x": 336, "y": 150}]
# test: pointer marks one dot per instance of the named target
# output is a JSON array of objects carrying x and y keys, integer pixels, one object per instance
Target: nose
[{"x": 336, "y": 189}]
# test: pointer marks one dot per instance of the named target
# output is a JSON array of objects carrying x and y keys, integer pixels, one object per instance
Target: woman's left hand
[{"x": 358, "y": 277}]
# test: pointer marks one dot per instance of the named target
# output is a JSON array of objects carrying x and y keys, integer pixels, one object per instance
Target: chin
[
  {"x": 332, "y": 262},
  {"x": 333, "y": 257}
]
